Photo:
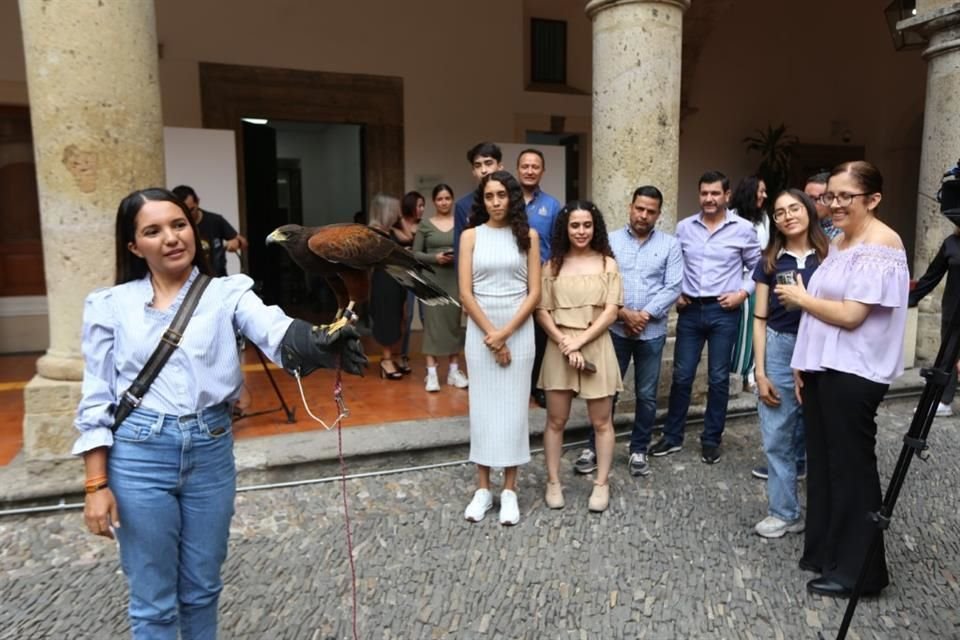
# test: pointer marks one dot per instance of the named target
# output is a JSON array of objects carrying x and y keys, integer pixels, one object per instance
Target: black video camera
[{"x": 949, "y": 195}]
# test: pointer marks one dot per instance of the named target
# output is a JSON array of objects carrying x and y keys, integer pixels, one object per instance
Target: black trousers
[
  {"x": 540, "y": 344},
  {"x": 950, "y": 390},
  {"x": 843, "y": 485}
]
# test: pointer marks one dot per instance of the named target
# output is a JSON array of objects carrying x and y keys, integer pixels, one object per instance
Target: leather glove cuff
[{"x": 306, "y": 347}]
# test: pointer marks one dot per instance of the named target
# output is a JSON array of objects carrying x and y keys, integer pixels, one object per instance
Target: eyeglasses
[
  {"x": 843, "y": 199},
  {"x": 794, "y": 210}
]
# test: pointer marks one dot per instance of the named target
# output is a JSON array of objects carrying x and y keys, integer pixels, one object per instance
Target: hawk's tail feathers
[{"x": 428, "y": 291}]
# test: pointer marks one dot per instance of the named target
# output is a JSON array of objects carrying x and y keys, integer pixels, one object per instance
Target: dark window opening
[{"x": 548, "y": 51}]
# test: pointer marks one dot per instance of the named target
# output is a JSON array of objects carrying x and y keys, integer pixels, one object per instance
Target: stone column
[
  {"x": 636, "y": 102},
  {"x": 92, "y": 77},
  {"x": 940, "y": 22}
]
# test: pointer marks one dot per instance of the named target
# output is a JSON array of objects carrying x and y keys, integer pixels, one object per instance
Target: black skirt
[{"x": 387, "y": 298}]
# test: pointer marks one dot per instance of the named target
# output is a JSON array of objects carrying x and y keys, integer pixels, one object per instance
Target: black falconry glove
[{"x": 307, "y": 347}]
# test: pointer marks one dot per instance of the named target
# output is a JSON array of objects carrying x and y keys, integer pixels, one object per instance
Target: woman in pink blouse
[{"x": 849, "y": 348}]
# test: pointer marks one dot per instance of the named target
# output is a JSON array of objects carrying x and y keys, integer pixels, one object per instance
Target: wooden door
[{"x": 21, "y": 246}]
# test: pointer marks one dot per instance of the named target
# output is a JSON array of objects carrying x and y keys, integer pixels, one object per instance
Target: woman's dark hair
[
  {"x": 560, "y": 242},
  {"x": 815, "y": 235},
  {"x": 408, "y": 205},
  {"x": 516, "y": 211},
  {"x": 131, "y": 267},
  {"x": 865, "y": 173},
  {"x": 442, "y": 187},
  {"x": 744, "y": 200}
]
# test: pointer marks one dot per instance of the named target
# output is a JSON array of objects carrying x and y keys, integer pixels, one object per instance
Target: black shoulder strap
[{"x": 168, "y": 343}]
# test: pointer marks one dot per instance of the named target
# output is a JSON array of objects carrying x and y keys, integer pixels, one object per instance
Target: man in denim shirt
[
  {"x": 542, "y": 210},
  {"x": 651, "y": 267}
]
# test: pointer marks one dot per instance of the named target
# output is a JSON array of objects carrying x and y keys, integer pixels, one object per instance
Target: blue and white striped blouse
[{"x": 121, "y": 329}]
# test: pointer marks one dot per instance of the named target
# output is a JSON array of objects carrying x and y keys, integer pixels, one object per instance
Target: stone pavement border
[{"x": 278, "y": 458}]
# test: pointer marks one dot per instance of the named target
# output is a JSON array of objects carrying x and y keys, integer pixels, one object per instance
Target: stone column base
[{"x": 49, "y": 408}]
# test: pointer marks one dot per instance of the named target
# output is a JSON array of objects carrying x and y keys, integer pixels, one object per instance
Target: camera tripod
[
  {"x": 914, "y": 444},
  {"x": 289, "y": 412}
]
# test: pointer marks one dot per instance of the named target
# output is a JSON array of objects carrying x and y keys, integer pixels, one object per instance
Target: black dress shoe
[
  {"x": 809, "y": 566},
  {"x": 827, "y": 587},
  {"x": 540, "y": 397}
]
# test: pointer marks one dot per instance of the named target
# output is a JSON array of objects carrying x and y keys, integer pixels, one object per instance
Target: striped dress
[
  {"x": 499, "y": 396},
  {"x": 741, "y": 360}
]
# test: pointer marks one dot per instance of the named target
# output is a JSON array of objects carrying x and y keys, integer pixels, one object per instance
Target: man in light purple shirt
[{"x": 720, "y": 251}]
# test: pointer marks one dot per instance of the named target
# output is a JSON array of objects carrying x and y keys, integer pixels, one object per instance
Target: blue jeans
[
  {"x": 781, "y": 427},
  {"x": 174, "y": 480},
  {"x": 697, "y": 323},
  {"x": 646, "y": 376}
]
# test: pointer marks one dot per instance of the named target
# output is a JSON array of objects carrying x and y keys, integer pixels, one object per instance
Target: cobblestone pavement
[{"x": 674, "y": 557}]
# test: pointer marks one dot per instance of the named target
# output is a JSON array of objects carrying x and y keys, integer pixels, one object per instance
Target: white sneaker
[
  {"x": 432, "y": 382},
  {"x": 458, "y": 379},
  {"x": 944, "y": 410},
  {"x": 478, "y": 507},
  {"x": 774, "y": 527},
  {"x": 509, "y": 509}
]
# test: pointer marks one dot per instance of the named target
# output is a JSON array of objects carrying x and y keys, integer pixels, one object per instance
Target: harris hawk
[{"x": 345, "y": 254}]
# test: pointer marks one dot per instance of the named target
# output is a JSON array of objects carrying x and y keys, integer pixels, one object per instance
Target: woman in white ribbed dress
[{"x": 499, "y": 277}]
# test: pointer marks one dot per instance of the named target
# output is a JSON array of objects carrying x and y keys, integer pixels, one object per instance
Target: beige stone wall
[
  {"x": 462, "y": 65},
  {"x": 821, "y": 67},
  {"x": 579, "y": 33},
  {"x": 463, "y": 81},
  {"x": 930, "y": 5},
  {"x": 460, "y": 62}
]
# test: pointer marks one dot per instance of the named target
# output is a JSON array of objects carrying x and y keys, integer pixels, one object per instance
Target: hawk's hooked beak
[{"x": 276, "y": 237}]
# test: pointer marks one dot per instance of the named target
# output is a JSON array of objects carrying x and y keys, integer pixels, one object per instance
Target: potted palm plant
[{"x": 774, "y": 145}]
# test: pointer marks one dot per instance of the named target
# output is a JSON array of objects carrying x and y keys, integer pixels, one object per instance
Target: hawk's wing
[{"x": 352, "y": 245}]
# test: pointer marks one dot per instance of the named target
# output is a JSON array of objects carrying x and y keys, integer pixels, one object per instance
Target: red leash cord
[
  {"x": 338, "y": 396},
  {"x": 342, "y": 412}
]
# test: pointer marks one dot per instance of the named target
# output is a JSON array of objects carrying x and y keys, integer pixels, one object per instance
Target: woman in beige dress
[{"x": 581, "y": 295}]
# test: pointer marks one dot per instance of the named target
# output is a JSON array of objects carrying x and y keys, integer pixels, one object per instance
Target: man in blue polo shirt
[
  {"x": 542, "y": 210},
  {"x": 484, "y": 159}
]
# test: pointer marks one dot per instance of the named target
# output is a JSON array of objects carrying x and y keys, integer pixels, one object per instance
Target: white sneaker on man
[
  {"x": 432, "y": 381},
  {"x": 458, "y": 379},
  {"x": 509, "y": 509},
  {"x": 478, "y": 507},
  {"x": 774, "y": 527},
  {"x": 944, "y": 410}
]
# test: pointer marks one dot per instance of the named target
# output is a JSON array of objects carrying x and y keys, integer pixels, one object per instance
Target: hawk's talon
[{"x": 335, "y": 326}]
